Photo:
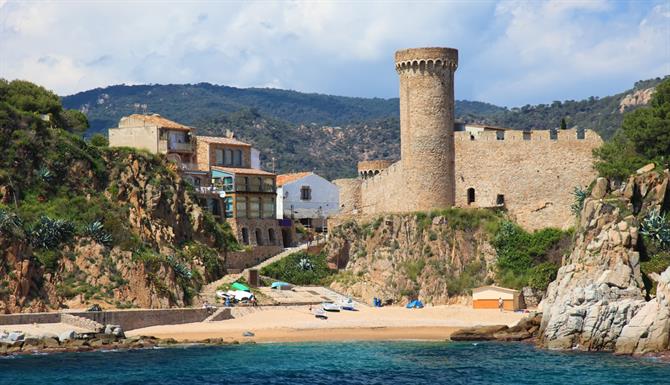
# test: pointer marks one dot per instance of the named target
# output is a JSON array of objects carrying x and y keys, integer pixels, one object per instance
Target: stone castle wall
[
  {"x": 385, "y": 192},
  {"x": 535, "y": 176}
]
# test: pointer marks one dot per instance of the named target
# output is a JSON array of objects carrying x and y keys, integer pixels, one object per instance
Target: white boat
[
  {"x": 320, "y": 314},
  {"x": 347, "y": 304},
  {"x": 329, "y": 306}
]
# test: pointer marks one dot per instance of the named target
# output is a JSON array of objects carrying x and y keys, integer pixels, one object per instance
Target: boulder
[
  {"x": 50, "y": 342},
  {"x": 477, "y": 333},
  {"x": 67, "y": 335},
  {"x": 646, "y": 169},
  {"x": 600, "y": 188}
]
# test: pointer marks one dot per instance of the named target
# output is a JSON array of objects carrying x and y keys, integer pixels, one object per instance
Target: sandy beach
[{"x": 297, "y": 323}]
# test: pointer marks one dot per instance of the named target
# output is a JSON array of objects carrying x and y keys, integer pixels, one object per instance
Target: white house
[{"x": 307, "y": 198}]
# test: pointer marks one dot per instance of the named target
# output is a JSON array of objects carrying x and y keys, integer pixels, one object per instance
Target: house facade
[
  {"x": 307, "y": 198},
  {"x": 226, "y": 175}
]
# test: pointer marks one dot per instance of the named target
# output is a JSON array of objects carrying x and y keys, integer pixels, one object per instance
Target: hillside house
[{"x": 307, "y": 198}]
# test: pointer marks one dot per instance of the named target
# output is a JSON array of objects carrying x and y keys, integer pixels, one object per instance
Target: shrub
[
  {"x": 300, "y": 269},
  {"x": 97, "y": 232},
  {"x": 656, "y": 227},
  {"x": 540, "y": 276},
  {"x": 11, "y": 225}
]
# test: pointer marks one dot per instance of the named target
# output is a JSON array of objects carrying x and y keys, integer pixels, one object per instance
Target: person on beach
[{"x": 501, "y": 303}]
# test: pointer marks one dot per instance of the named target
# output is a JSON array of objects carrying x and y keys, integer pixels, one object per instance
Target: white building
[{"x": 307, "y": 198}]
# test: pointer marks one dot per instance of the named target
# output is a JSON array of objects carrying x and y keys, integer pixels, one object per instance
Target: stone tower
[{"x": 427, "y": 125}]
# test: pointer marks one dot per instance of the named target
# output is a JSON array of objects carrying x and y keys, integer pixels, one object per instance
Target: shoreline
[{"x": 289, "y": 335}]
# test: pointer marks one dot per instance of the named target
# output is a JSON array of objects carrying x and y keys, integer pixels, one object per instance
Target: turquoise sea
[{"x": 336, "y": 363}]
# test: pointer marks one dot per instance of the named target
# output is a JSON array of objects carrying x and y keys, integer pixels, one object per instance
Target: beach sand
[{"x": 297, "y": 323}]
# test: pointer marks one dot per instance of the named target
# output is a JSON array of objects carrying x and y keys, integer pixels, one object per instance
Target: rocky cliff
[
  {"x": 398, "y": 257},
  {"x": 160, "y": 246},
  {"x": 599, "y": 300}
]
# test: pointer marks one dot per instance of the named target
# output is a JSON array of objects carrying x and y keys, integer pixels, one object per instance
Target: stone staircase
[{"x": 208, "y": 292}]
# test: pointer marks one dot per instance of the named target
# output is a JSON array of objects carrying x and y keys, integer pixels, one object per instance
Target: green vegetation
[
  {"x": 58, "y": 190},
  {"x": 580, "y": 195},
  {"x": 644, "y": 137},
  {"x": 321, "y": 132},
  {"x": 473, "y": 275},
  {"x": 300, "y": 269},
  {"x": 462, "y": 218},
  {"x": 655, "y": 246},
  {"x": 524, "y": 259},
  {"x": 99, "y": 140}
]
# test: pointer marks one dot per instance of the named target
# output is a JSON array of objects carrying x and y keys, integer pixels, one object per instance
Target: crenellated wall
[{"x": 536, "y": 175}]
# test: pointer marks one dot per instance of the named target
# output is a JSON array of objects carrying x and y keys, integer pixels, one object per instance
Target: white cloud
[{"x": 511, "y": 52}]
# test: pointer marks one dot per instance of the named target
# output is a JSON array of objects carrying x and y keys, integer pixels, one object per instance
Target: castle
[{"x": 532, "y": 174}]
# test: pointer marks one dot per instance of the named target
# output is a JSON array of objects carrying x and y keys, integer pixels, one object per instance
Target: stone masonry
[{"x": 531, "y": 174}]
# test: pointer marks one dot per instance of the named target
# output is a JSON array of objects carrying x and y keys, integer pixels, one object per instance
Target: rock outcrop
[
  {"x": 649, "y": 330},
  {"x": 406, "y": 256},
  {"x": 599, "y": 291}
]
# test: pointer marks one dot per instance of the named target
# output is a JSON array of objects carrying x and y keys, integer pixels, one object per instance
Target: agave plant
[
  {"x": 656, "y": 226},
  {"x": 580, "y": 195},
  {"x": 11, "y": 225},
  {"x": 305, "y": 264},
  {"x": 179, "y": 268},
  {"x": 45, "y": 174},
  {"x": 50, "y": 233},
  {"x": 97, "y": 232}
]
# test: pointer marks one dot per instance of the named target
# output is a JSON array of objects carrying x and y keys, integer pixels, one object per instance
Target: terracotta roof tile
[
  {"x": 288, "y": 178},
  {"x": 159, "y": 121},
  {"x": 222, "y": 140},
  {"x": 245, "y": 171}
]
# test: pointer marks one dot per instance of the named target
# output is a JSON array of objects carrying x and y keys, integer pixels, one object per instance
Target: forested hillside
[{"x": 322, "y": 133}]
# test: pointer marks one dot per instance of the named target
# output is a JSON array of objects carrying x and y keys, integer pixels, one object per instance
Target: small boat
[
  {"x": 318, "y": 313},
  {"x": 329, "y": 306},
  {"x": 348, "y": 304}
]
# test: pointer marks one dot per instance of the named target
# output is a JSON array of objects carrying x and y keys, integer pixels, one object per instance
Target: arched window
[
  {"x": 259, "y": 237},
  {"x": 271, "y": 236},
  {"x": 245, "y": 235},
  {"x": 471, "y": 195}
]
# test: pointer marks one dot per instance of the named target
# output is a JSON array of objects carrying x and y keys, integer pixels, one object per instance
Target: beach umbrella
[{"x": 239, "y": 286}]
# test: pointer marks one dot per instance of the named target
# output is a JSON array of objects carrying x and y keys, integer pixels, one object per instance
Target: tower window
[
  {"x": 471, "y": 195},
  {"x": 526, "y": 135},
  {"x": 553, "y": 134},
  {"x": 580, "y": 133},
  {"x": 500, "y": 135},
  {"x": 500, "y": 200}
]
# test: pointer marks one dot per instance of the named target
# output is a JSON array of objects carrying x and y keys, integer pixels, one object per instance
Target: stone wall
[
  {"x": 386, "y": 192},
  {"x": 535, "y": 176},
  {"x": 242, "y": 259},
  {"x": 128, "y": 319}
]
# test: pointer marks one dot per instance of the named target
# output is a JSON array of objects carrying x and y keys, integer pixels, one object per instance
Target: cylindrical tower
[{"x": 427, "y": 125}]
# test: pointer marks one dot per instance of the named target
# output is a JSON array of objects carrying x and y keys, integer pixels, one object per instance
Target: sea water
[{"x": 336, "y": 363}]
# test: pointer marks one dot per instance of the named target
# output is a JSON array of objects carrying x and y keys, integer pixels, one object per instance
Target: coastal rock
[
  {"x": 598, "y": 294},
  {"x": 649, "y": 330},
  {"x": 67, "y": 335},
  {"x": 478, "y": 333}
]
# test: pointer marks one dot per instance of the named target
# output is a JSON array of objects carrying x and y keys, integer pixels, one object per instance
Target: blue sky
[{"x": 512, "y": 53}]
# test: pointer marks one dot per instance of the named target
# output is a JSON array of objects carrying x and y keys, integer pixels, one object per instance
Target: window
[
  {"x": 259, "y": 237},
  {"x": 526, "y": 135},
  {"x": 305, "y": 193},
  {"x": 268, "y": 185},
  {"x": 245, "y": 235},
  {"x": 471, "y": 195},
  {"x": 228, "y": 159},
  {"x": 580, "y": 133},
  {"x": 214, "y": 207},
  {"x": 271, "y": 236},
  {"x": 241, "y": 183},
  {"x": 472, "y": 137},
  {"x": 219, "y": 156},
  {"x": 241, "y": 207},
  {"x": 228, "y": 207},
  {"x": 227, "y": 183},
  {"x": 500, "y": 200},
  {"x": 500, "y": 135},
  {"x": 238, "y": 157},
  {"x": 254, "y": 184},
  {"x": 268, "y": 208},
  {"x": 254, "y": 208},
  {"x": 553, "y": 134}
]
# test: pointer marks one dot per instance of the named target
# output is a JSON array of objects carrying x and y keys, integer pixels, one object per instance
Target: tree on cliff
[{"x": 644, "y": 137}]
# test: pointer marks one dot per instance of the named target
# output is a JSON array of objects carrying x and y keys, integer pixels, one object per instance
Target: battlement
[
  {"x": 370, "y": 168},
  {"x": 426, "y": 59},
  {"x": 506, "y": 136}
]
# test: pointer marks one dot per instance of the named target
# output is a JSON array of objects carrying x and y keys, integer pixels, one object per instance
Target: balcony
[
  {"x": 180, "y": 147},
  {"x": 215, "y": 190},
  {"x": 188, "y": 166}
]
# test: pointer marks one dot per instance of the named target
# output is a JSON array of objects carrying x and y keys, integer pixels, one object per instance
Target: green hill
[{"x": 322, "y": 133}]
